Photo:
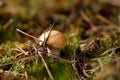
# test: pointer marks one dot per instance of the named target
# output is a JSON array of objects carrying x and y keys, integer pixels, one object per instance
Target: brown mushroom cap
[{"x": 56, "y": 39}]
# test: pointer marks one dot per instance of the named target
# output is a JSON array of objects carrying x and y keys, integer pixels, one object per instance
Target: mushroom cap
[{"x": 56, "y": 39}]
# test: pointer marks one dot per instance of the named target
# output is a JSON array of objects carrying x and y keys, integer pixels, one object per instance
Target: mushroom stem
[{"x": 54, "y": 51}]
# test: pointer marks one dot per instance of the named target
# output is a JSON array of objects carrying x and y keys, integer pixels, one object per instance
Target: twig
[
  {"x": 20, "y": 60},
  {"x": 21, "y": 49},
  {"x": 6, "y": 64},
  {"x": 85, "y": 73},
  {"x": 84, "y": 65},
  {"x": 41, "y": 28},
  {"x": 97, "y": 68},
  {"x": 87, "y": 19},
  {"x": 100, "y": 17},
  {"x": 27, "y": 34},
  {"x": 74, "y": 68},
  {"x": 26, "y": 75},
  {"x": 50, "y": 27},
  {"x": 109, "y": 50},
  {"x": 49, "y": 73},
  {"x": 61, "y": 59},
  {"x": 27, "y": 58},
  {"x": 8, "y": 23},
  {"x": 46, "y": 39}
]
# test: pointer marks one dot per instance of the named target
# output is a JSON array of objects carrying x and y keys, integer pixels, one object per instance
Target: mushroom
[{"x": 55, "y": 42}]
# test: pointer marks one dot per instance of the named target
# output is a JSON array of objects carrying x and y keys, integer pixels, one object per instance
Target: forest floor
[{"x": 91, "y": 28}]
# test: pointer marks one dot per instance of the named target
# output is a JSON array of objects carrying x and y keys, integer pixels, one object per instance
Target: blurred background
[
  {"x": 91, "y": 23},
  {"x": 82, "y": 15}
]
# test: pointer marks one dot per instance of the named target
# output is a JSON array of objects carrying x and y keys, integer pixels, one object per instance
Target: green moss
[
  {"x": 37, "y": 71},
  {"x": 59, "y": 70}
]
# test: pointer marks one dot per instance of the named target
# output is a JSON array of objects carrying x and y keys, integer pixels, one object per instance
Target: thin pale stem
[
  {"x": 27, "y": 34},
  {"x": 49, "y": 73}
]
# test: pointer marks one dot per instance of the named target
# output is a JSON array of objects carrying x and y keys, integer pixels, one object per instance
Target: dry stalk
[
  {"x": 109, "y": 50},
  {"x": 74, "y": 68},
  {"x": 27, "y": 34},
  {"x": 49, "y": 73},
  {"x": 9, "y": 23},
  {"x": 20, "y": 49},
  {"x": 100, "y": 17}
]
